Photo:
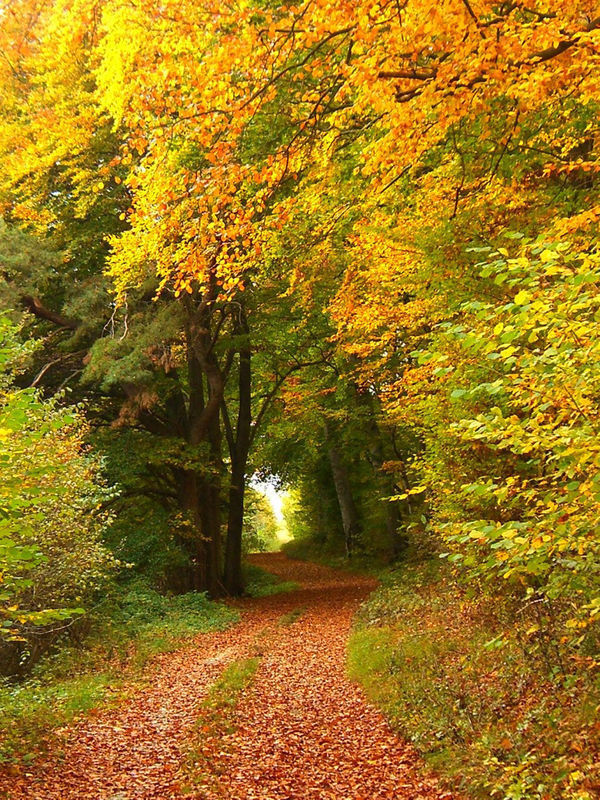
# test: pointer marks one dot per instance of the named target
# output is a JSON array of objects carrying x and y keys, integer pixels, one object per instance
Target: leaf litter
[{"x": 301, "y": 730}]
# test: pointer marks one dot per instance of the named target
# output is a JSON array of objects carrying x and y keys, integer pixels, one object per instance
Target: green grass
[
  {"x": 31, "y": 710},
  {"x": 216, "y": 720},
  {"x": 454, "y": 674},
  {"x": 224, "y": 694},
  {"x": 260, "y": 583},
  {"x": 292, "y": 616},
  {"x": 132, "y": 627}
]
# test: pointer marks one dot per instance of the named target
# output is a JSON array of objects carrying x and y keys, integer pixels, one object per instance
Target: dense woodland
[{"x": 345, "y": 247}]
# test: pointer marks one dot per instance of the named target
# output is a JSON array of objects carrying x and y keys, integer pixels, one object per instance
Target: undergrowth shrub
[
  {"x": 53, "y": 561},
  {"x": 454, "y": 672},
  {"x": 134, "y": 624}
]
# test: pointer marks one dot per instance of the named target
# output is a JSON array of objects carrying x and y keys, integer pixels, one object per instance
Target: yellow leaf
[{"x": 522, "y": 298}]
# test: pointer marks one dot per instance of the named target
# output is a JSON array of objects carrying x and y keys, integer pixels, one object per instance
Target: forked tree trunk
[
  {"x": 204, "y": 485},
  {"x": 197, "y": 498},
  {"x": 210, "y": 542}
]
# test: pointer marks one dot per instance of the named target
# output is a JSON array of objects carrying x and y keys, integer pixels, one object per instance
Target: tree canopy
[{"x": 350, "y": 244}]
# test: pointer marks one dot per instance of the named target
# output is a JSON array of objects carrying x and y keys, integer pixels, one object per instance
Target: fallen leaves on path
[{"x": 301, "y": 732}]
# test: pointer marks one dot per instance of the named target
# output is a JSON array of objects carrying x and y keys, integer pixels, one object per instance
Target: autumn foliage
[{"x": 351, "y": 244}]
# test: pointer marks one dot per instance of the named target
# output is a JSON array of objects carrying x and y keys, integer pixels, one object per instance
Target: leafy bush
[
  {"x": 51, "y": 554},
  {"x": 140, "y": 608},
  {"x": 456, "y": 675},
  {"x": 514, "y": 475},
  {"x": 145, "y": 534}
]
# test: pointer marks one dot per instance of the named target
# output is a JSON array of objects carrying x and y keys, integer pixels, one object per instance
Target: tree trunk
[
  {"x": 239, "y": 447},
  {"x": 209, "y": 546},
  {"x": 393, "y": 516},
  {"x": 350, "y": 520},
  {"x": 203, "y": 426},
  {"x": 191, "y": 503},
  {"x": 235, "y": 522}
]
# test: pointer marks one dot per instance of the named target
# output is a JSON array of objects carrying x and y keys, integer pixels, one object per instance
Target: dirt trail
[{"x": 302, "y": 731}]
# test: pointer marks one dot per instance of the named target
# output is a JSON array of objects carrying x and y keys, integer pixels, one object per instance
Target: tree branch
[{"x": 38, "y": 309}]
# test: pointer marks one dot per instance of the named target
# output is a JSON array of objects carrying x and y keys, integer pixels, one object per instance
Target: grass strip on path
[
  {"x": 292, "y": 616},
  {"x": 206, "y": 760}
]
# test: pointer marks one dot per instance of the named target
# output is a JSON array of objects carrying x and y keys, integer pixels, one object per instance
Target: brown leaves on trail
[
  {"x": 301, "y": 731},
  {"x": 134, "y": 750}
]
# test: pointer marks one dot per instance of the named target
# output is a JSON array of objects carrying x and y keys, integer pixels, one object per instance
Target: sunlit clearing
[{"x": 276, "y": 498}]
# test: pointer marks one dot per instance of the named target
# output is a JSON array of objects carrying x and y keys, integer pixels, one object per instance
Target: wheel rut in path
[{"x": 302, "y": 731}]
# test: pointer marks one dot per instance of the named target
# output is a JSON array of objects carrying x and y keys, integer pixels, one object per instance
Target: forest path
[{"x": 301, "y": 731}]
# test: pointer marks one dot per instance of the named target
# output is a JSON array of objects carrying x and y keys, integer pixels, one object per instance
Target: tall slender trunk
[
  {"x": 350, "y": 519},
  {"x": 239, "y": 446},
  {"x": 393, "y": 511},
  {"x": 235, "y": 522}
]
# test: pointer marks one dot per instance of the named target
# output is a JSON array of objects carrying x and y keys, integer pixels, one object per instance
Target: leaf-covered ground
[{"x": 294, "y": 727}]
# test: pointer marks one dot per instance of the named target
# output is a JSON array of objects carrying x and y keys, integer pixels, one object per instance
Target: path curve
[{"x": 301, "y": 732}]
